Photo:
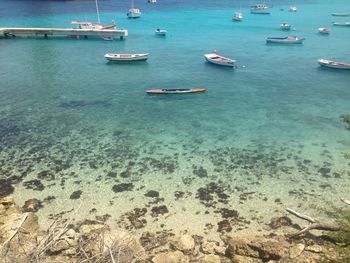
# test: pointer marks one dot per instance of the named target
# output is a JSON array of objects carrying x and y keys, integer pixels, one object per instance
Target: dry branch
[
  {"x": 345, "y": 201},
  {"x": 315, "y": 224},
  {"x": 17, "y": 229}
]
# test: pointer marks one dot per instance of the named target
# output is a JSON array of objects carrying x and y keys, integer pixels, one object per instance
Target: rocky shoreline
[{"x": 22, "y": 240}]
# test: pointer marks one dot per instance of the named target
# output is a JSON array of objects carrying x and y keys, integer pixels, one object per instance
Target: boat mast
[{"x": 98, "y": 13}]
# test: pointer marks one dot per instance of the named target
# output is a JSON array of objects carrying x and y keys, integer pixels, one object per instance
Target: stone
[
  {"x": 295, "y": 251},
  {"x": 7, "y": 201},
  {"x": 243, "y": 259},
  {"x": 89, "y": 228},
  {"x": 315, "y": 249},
  {"x": 184, "y": 243},
  {"x": 211, "y": 247},
  {"x": 278, "y": 222},
  {"x": 58, "y": 247},
  {"x": 32, "y": 205},
  {"x": 171, "y": 257},
  {"x": 210, "y": 259},
  {"x": 5, "y": 188},
  {"x": 257, "y": 247}
]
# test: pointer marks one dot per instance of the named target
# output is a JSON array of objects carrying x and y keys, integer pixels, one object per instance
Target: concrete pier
[{"x": 17, "y": 31}]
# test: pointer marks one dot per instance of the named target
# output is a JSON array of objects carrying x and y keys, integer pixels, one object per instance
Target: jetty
[{"x": 71, "y": 32}]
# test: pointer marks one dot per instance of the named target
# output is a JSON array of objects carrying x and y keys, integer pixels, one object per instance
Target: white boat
[
  {"x": 126, "y": 57},
  {"x": 260, "y": 9},
  {"x": 341, "y": 24},
  {"x": 152, "y": 1},
  {"x": 285, "y": 26},
  {"x": 133, "y": 12},
  {"x": 285, "y": 40},
  {"x": 333, "y": 64},
  {"x": 220, "y": 60},
  {"x": 94, "y": 25},
  {"x": 238, "y": 16},
  {"x": 341, "y": 14},
  {"x": 160, "y": 32},
  {"x": 324, "y": 30},
  {"x": 293, "y": 8}
]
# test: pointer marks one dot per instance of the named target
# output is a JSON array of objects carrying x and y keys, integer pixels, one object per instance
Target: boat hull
[
  {"x": 341, "y": 24},
  {"x": 126, "y": 57},
  {"x": 219, "y": 60},
  {"x": 284, "y": 40},
  {"x": 160, "y": 32},
  {"x": 333, "y": 64},
  {"x": 260, "y": 11},
  {"x": 324, "y": 31},
  {"x": 175, "y": 91},
  {"x": 341, "y": 14}
]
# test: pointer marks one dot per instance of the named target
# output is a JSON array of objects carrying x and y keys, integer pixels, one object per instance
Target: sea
[{"x": 80, "y": 134}]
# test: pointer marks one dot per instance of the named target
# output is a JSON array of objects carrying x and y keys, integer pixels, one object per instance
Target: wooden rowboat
[
  {"x": 220, "y": 60},
  {"x": 333, "y": 64},
  {"x": 126, "y": 57},
  {"x": 175, "y": 91}
]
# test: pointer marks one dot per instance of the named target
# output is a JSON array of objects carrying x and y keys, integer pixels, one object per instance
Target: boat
[
  {"x": 133, "y": 12},
  {"x": 260, "y": 9},
  {"x": 333, "y": 64},
  {"x": 152, "y": 1},
  {"x": 93, "y": 25},
  {"x": 293, "y": 8},
  {"x": 285, "y": 40},
  {"x": 238, "y": 16},
  {"x": 175, "y": 91},
  {"x": 341, "y": 24},
  {"x": 220, "y": 60},
  {"x": 285, "y": 26},
  {"x": 160, "y": 32},
  {"x": 126, "y": 57},
  {"x": 324, "y": 30},
  {"x": 341, "y": 14}
]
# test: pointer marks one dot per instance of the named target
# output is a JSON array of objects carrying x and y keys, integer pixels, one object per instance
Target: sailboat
[
  {"x": 238, "y": 16},
  {"x": 133, "y": 12},
  {"x": 94, "y": 25}
]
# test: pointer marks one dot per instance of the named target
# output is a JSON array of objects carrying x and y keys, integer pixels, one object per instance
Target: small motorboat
[
  {"x": 126, "y": 57},
  {"x": 286, "y": 26},
  {"x": 324, "y": 30},
  {"x": 260, "y": 9},
  {"x": 285, "y": 40},
  {"x": 133, "y": 13},
  {"x": 333, "y": 64},
  {"x": 341, "y": 14},
  {"x": 341, "y": 24},
  {"x": 237, "y": 17},
  {"x": 293, "y": 8},
  {"x": 160, "y": 32},
  {"x": 175, "y": 91},
  {"x": 220, "y": 60},
  {"x": 152, "y": 1}
]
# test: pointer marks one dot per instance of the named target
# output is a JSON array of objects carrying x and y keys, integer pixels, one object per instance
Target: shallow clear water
[{"x": 267, "y": 134}]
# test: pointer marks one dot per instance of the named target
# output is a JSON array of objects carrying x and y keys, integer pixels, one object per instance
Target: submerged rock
[
  {"x": 76, "y": 194},
  {"x": 123, "y": 187},
  {"x": 5, "y": 188},
  {"x": 295, "y": 251},
  {"x": 278, "y": 222},
  {"x": 159, "y": 210},
  {"x": 32, "y": 205},
  {"x": 35, "y": 185},
  {"x": 152, "y": 193}
]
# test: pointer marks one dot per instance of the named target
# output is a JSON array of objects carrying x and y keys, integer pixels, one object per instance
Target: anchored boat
[
  {"x": 260, "y": 9},
  {"x": 160, "y": 32},
  {"x": 341, "y": 23},
  {"x": 220, "y": 60},
  {"x": 286, "y": 26},
  {"x": 175, "y": 91},
  {"x": 133, "y": 12},
  {"x": 293, "y": 8},
  {"x": 341, "y": 14},
  {"x": 324, "y": 30},
  {"x": 126, "y": 57},
  {"x": 333, "y": 64},
  {"x": 285, "y": 40},
  {"x": 238, "y": 16}
]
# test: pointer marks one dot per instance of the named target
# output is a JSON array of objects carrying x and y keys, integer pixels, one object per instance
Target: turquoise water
[{"x": 267, "y": 134}]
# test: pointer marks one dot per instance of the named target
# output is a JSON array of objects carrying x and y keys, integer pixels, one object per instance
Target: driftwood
[
  {"x": 315, "y": 224},
  {"x": 17, "y": 229},
  {"x": 345, "y": 201}
]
